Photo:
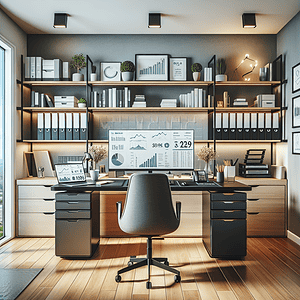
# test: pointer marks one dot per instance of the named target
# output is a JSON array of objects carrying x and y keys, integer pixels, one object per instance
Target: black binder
[
  {"x": 225, "y": 127},
  {"x": 261, "y": 126},
  {"x": 239, "y": 126},
  {"x": 218, "y": 132},
  {"x": 232, "y": 127},
  {"x": 276, "y": 133},
  {"x": 268, "y": 126},
  {"x": 254, "y": 132},
  {"x": 246, "y": 126}
]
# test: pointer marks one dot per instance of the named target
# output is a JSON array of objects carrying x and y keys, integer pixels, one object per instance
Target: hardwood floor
[{"x": 271, "y": 270}]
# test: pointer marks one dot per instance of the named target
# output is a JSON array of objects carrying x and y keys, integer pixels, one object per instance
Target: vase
[
  {"x": 196, "y": 76},
  {"x": 81, "y": 105},
  {"x": 127, "y": 76},
  {"x": 221, "y": 77},
  {"x": 94, "y": 174},
  {"x": 93, "y": 76},
  {"x": 208, "y": 170},
  {"x": 77, "y": 77}
]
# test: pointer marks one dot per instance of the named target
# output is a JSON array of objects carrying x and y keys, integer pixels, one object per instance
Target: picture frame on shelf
[
  {"x": 110, "y": 71},
  {"x": 152, "y": 67},
  {"x": 296, "y": 143},
  {"x": 296, "y": 112},
  {"x": 296, "y": 78},
  {"x": 178, "y": 68}
]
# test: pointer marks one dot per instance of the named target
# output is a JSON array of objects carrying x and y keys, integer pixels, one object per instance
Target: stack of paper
[
  {"x": 168, "y": 103},
  {"x": 241, "y": 102},
  {"x": 139, "y": 101}
]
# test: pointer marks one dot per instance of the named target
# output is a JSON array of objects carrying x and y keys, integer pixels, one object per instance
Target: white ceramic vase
[
  {"x": 127, "y": 76},
  {"x": 77, "y": 77},
  {"x": 196, "y": 76},
  {"x": 221, "y": 77},
  {"x": 94, "y": 174},
  {"x": 81, "y": 105}
]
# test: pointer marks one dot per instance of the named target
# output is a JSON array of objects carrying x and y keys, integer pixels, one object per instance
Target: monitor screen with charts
[
  {"x": 70, "y": 173},
  {"x": 151, "y": 150}
]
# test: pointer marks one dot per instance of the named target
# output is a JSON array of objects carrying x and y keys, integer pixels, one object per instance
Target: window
[{"x": 2, "y": 93}]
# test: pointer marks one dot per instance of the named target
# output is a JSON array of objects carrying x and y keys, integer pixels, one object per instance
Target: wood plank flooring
[{"x": 271, "y": 270}]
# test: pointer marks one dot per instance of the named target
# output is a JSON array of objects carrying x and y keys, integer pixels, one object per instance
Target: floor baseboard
[{"x": 293, "y": 237}]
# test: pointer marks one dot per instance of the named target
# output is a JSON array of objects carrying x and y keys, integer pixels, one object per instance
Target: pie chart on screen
[{"x": 117, "y": 159}]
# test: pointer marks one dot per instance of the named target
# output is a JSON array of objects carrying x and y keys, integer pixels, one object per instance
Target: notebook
[{"x": 71, "y": 174}]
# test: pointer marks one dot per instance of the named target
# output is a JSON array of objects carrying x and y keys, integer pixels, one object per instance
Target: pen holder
[
  {"x": 220, "y": 177},
  {"x": 229, "y": 173}
]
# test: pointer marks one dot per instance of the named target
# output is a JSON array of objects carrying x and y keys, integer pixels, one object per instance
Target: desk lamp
[{"x": 86, "y": 158}]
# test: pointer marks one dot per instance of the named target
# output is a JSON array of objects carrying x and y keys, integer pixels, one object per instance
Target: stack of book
[
  {"x": 207, "y": 74},
  {"x": 40, "y": 100},
  {"x": 196, "y": 98},
  {"x": 240, "y": 102},
  {"x": 168, "y": 103},
  {"x": 139, "y": 101}
]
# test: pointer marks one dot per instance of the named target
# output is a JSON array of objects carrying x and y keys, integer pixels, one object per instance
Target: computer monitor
[{"x": 150, "y": 150}]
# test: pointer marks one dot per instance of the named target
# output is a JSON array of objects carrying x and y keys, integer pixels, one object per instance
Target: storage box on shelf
[
  {"x": 35, "y": 207},
  {"x": 266, "y": 206}
]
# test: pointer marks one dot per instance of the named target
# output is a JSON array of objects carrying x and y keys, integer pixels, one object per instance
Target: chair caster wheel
[
  {"x": 177, "y": 278},
  {"x": 130, "y": 263},
  {"x": 118, "y": 278},
  {"x": 148, "y": 285},
  {"x": 166, "y": 263}
]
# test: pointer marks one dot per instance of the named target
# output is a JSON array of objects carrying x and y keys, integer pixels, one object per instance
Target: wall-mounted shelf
[
  {"x": 53, "y": 109},
  {"x": 248, "y": 83},
  {"x": 247, "y": 109},
  {"x": 52, "y": 141}
]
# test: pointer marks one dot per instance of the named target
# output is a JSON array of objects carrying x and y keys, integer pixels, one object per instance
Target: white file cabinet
[{"x": 35, "y": 207}]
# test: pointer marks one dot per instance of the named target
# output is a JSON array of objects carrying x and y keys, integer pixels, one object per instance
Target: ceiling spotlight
[
  {"x": 154, "y": 20},
  {"x": 60, "y": 20},
  {"x": 249, "y": 20}
]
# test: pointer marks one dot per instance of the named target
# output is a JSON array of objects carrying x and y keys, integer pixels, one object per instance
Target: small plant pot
[
  {"x": 93, "y": 76},
  {"x": 196, "y": 76},
  {"x": 221, "y": 77},
  {"x": 127, "y": 76},
  {"x": 81, "y": 105},
  {"x": 77, "y": 77}
]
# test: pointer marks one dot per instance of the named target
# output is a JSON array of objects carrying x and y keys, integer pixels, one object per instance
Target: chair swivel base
[{"x": 149, "y": 261}]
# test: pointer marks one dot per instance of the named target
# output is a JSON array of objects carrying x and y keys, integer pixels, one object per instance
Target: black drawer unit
[
  {"x": 224, "y": 224},
  {"x": 77, "y": 224}
]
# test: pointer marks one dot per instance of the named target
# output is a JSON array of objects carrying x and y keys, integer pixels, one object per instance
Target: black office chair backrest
[{"x": 148, "y": 207}]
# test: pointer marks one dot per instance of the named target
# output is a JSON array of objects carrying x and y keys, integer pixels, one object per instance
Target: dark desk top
[{"x": 186, "y": 185}]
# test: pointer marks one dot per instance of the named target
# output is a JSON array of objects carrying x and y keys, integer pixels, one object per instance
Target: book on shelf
[
  {"x": 116, "y": 98},
  {"x": 168, "y": 103}
]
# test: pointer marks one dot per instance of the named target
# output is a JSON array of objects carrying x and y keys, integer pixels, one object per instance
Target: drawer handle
[
  {"x": 228, "y": 194},
  {"x": 73, "y": 202},
  {"x": 48, "y": 213},
  {"x": 48, "y": 199},
  {"x": 73, "y": 211},
  {"x": 228, "y": 220},
  {"x": 74, "y": 221},
  {"x": 253, "y": 199},
  {"x": 253, "y": 213},
  {"x": 253, "y": 185},
  {"x": 228, "y": 202},
  {"x": 228, "y": 211}
]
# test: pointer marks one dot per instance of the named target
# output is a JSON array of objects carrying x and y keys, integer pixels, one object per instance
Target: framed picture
[
  {"x": 110, "y": 71},
  {"x": 178, "y": 69},
  {"x": 296, "y": 111},
  {"x": 152, "y": 66},
  {"x": 296, "y": 143},
  {"x": 296, "y": 78}
]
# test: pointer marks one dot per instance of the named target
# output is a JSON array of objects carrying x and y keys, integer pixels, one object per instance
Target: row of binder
[
  {"x": 61, "y": 126},
  {"x": 247, "y": 126}
]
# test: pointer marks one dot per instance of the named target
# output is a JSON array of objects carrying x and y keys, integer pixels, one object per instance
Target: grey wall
[{"x": 288, "y": 43}]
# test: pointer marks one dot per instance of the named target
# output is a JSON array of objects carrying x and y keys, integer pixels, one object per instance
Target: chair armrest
[
  {"x": 178, "y": 210},
  {"x": 119, "y": 209}
]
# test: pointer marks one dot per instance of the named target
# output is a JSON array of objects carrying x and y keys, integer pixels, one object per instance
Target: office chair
[{"x": 148, "y": 212}]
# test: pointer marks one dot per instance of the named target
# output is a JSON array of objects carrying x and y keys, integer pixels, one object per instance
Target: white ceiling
[{"x": 131, "y": 16}]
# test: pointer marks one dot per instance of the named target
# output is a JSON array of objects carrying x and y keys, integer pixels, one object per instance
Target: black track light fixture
[
  {"x": 249, "y": 20},
  {"x": 154, "y": 20},
  {"x": 60, "y": 20}
]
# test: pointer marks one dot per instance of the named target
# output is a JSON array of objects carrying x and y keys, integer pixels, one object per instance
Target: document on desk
[{"x": 104, "y": 182}]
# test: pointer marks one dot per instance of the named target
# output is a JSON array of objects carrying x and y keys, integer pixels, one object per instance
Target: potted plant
[
  {"x": 196, "y": 69},
  {"x": 98, "y": 153},
  {"x": 78, "y": 63},
  {"x": 81, "y": 103},
  {"x": 127, "y": 70},
  {"x": 221, "y": 69}
]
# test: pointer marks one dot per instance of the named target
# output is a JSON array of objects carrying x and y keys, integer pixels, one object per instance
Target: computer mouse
[{"x": 183, "y": 183}]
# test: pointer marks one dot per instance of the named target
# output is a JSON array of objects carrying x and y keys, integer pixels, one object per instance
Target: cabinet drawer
[
  {"x": 272, "y": 205},
  {"x": 35, "y": 192},
  {"x": 266, "y": 224},
  {"x": 189, "y": 203},
  {"x": 228, "y": 214},
  {"x": 36, "y": 224},
  {"x": 73, "y": 214},
  {"x": 73, "y": 196},
  {"x": 228, "y": 205},
  {"x": 228, "y": 196},
  {"x": 36, "y": 205},
  {"x": 190, "y": 225},
  {"x": 73, "y": 205},
  {"x": 264, "y": 191}
]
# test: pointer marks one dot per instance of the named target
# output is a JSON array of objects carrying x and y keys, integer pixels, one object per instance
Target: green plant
[
  {"x": 81, "y": 100},
  {"x": 196, "y": 67},
  {"x": 221, "y": 66},
  {"x": 78, "y": 62},
  {"x": 127, "y": 66}
]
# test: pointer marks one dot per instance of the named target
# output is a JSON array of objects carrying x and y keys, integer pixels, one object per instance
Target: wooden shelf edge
[{"x": 54, "y": 141}]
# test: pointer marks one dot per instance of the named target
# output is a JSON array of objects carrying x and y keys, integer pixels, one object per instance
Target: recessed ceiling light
[
  {"x": 60, "y": 20},
  {"x": 154, "y": 20},
  {"x": 249, "y": 20}
]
